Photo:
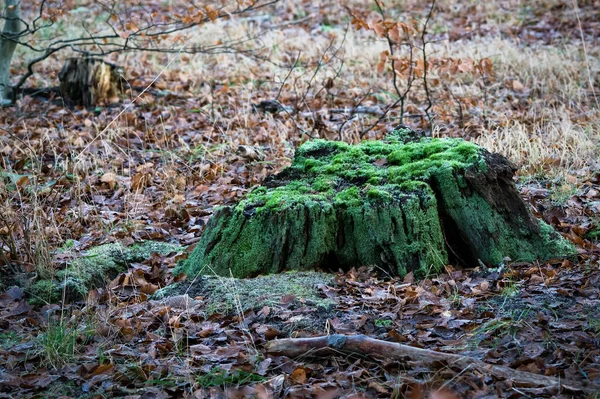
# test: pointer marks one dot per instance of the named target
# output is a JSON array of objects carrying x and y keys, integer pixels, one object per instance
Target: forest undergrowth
[{"x": 519, "y": 78}]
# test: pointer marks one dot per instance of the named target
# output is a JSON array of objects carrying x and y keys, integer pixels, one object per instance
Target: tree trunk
[
  {"x": 401, "y": 206},
  {"x": 90, "y": 81},
  {"x": 10, "y": 32}
]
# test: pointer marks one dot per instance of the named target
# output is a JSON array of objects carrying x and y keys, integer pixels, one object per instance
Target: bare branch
[
  {"x": 112, "y": 40},
  {"x": 425, "y": 84}
]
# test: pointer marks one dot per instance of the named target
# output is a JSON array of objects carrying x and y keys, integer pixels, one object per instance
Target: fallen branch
[
  {"x": 361, "y": 344},
  {"x": 357, "y": 110}
]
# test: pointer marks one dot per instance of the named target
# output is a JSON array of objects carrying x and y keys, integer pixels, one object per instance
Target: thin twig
[
  {"x": 585, "y": 53},
  {"x": 340, "y": 130},
  {"x": 402, "y": 95},
  {"x": 425, "y": 85},
  {"x": 288, "y": 75}
]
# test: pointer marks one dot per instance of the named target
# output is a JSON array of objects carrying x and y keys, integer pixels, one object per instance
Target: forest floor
[{"x": 519, "y": 78}]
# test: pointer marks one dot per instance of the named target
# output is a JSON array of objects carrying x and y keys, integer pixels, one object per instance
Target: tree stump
[
  {"x": 90, "y": 81},
  {"x": 397, "y": 204}
]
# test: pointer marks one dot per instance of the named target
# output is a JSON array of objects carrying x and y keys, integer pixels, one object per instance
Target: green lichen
[
  {"x": 93, "y": 267},
  {"x": 375, "y": 203}
]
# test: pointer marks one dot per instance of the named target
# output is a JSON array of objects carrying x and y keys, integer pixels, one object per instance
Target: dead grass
[
  {"x": 554, "y": 78},
  {"x": 548, "y": 126},
  {"x": 556, "y": 147}
]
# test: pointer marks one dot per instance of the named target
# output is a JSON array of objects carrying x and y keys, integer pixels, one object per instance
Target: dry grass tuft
[{"x": 556, "y": 147}]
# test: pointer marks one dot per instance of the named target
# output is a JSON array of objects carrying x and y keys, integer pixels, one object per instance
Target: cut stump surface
[{"x": 398, "y": 204}]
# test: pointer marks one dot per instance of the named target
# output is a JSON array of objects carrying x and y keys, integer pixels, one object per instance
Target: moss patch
[
  {"x": 9, "y": 339},
  {"x": 387, "y": 203},
  {"x": 594, "y": 234},
  {"x": 93, "y": 268},
  {"x": 230, "y": 295}
]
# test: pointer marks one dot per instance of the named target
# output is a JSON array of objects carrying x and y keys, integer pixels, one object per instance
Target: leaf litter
[{"x": 157, "y": 174}]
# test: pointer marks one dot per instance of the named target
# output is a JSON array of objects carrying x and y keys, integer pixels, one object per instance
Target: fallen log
[{"x": 363, "y": 345}]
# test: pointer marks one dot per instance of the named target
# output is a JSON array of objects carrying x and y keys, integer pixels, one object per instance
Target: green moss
[
  {"x": 44, "y": 291},
  {"x": 324, "y": 184},
  {"x": 67, "y": 246},
  {"x": 377, "y": 193},
  {"x": 93, "y": 268},
  {"x": 230, "y": 295},
  {"x": 9, "y": 339},
  {"x": 374, "y": 203},
  {"x": 218, "y": 377},
  {"x": 594, "y": 234},
  {"x": 491, "y": 237},
  {"x": 349, "y": 197},
  {"x": 324, "y": 166}
]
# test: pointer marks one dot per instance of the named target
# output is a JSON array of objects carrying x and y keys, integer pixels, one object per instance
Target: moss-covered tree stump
[{"x": 397, "y": 204}]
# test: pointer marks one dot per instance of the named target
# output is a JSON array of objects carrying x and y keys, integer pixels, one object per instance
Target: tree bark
[
  {"x": 89, "y": 81},
  {"x": 10, "y": 33},
  {"x": 363, "y": 345}
]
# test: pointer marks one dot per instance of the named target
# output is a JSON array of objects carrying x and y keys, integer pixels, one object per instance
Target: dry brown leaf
[
  {"x": 298, "y": 376},
  {"x": 518, "y": 86},
  {"x": 111, "y": 179}
]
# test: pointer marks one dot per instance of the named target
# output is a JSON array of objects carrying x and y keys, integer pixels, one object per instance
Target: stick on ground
[{"x": 361, "y": 344}]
